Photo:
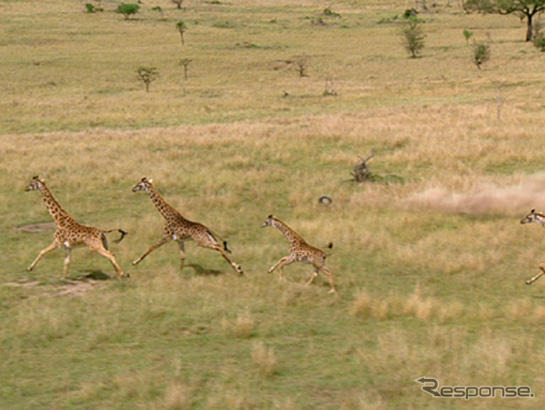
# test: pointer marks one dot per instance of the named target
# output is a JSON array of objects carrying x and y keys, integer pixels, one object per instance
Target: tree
[
  {"x": 127, "y": 9},
  {"x": 178, "y": 3},
  {"x": 180, "y": 25},
  {"x": 413, "y": 36},
  {"x": 526, "y": 9},
  {"x": 147, "y": 75},
  {"x": 184, "y": 62}
]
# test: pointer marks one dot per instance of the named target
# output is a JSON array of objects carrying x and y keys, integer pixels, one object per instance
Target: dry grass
[
  {"x": 264, "y": 358},
  {"x": 242, "y": 327},
  {"x": 429, "y": 260}
]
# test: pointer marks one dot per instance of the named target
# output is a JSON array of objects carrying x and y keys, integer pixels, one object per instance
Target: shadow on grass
[
  {"x": 93, "y": 275},
  {"x": 199, "y": 270}
]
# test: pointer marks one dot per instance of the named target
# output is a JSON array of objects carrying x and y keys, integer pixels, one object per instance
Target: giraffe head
[
  {"x": 143, "y": 185},
  {"x": 269, "y": 221},
  {"x": 534, "y": 216},
  {"x": 35, "y": 184}
]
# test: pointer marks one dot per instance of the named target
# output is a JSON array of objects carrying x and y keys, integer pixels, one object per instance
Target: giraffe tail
[
  {"x": 225, "y": 247},
  {"x": 224, "y": 242},
  {"x": 121, "y": 231},
  {"x": 329, "y": 246}
]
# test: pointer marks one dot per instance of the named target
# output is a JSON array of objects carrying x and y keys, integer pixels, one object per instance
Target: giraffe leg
[
  {"x": 158, "y": 244},
  {"x": 286, "y": 260},
  {"x": 110, "y": 256},
  {"x": 329, "y": 278},
  {"x": 66, "y": 262},
  {"x": 277, "y": 264},
  {"x": 314, "y": 274},
  {"x": 237, "y": 268},
  {"x": 541, "y": 273},
  {"x": 51, "y": 247},
  {"x": 182, "y": 254}
]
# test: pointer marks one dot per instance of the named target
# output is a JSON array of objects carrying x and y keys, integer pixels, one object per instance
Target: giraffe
[
  {"x": 300, "y": 251},
  {"x": 180, "y": 229},
  {"x": 70, "y": 234},
  {"x": 538, "y": 217}
]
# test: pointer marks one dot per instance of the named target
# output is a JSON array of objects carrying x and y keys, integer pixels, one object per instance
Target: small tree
[
  {"x": 413, "y": 36},
  {"x": 184, "y": 62},
  {"x": 467, "y": 35},
  {"x": 301, "y": 65},
  {"x": 526, "y": 9},
  {"x": 180, "y": 25},
  {"x": 178, "y": 3},
  {"x": 147, "y": 75},
  {"x": 127, "y": 9},
  {"x": 481, "y": 54}
]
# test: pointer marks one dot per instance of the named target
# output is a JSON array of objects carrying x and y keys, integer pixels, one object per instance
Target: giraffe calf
[{"x": 300, "y": 251}]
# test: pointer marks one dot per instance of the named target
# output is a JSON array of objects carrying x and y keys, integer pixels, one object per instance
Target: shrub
[
  {"x": 330, "y": 13},
  {"x": 410, "y": 13},
  {"x": 91, "y": 8},
  {"x": 467, "y": 35},
  {"x": 539, "y": 37},
  {"x": 481, "y": 54},
  {"x": 127, "y": 9},
  {"x": 539, "y": 41}
]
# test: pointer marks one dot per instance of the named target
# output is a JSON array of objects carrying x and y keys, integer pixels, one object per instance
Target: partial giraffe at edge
[
  {"x": 71, "y": 234},
  {"x": 300, "y": 251},
  {"x": 539, "y": 218},
  {"x": 180, "y": 229}
]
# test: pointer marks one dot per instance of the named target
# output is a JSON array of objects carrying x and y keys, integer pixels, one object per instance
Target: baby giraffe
[
  {"x": 71, "y": 234},
  {"x": 300, "y": 251},
  {"x": 179, "y": 229},
  {"x": 538, "y": 217}
]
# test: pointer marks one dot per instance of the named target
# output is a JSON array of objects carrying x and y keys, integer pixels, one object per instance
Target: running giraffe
[
  {"x": 538, "y": 217},
  {"x": 70, "y": 234},
  {"x": 300, "y": 251},
  {"x": 179, "y": 229}
]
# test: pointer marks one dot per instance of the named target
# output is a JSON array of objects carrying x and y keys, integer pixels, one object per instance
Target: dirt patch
[
  {"x": 75, "y": 288},
  {"x": 39, "y": 227},
  {"x": 65, "y": 287}
]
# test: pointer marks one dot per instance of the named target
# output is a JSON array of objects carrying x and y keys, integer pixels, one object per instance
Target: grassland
[{"x": 430, "y": 261}]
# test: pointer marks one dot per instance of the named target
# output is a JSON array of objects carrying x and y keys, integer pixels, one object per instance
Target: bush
[
  {"x": 127, "y": 9},
  {"x": 539, "y": 41},
  {"x": 91, "y": 8},
  {"x": 481, "y": 54},
  {"x": 539, "y": 37},
  {"x": 410, "y": 13},
  {"x": 468, "y": 34}
]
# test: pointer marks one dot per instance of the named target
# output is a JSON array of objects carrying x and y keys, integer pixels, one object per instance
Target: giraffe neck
[
  {"x": 293, "y": 237},
  {"x": 57, "y": 213},
  {"x": 164, "y": 209}
]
